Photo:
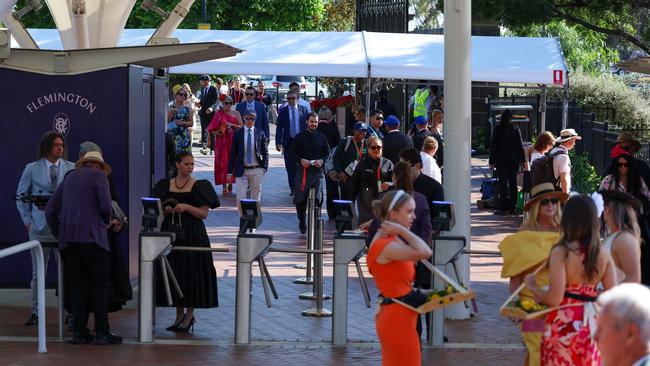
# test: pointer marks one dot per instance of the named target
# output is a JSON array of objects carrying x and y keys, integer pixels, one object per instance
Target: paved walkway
[{"x": 281, "y": 336}]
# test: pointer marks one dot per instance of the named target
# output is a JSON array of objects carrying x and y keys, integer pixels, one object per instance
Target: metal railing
[{"x": 36, "y": 250}]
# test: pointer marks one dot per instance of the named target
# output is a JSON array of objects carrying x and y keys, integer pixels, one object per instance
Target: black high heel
[
  {"x": 174, "y": 327},
  {"x": 189, "y": 327}
]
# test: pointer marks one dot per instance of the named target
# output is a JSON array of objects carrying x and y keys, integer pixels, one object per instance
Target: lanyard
[
  {"x": 379, "y": 171},
  {"x": 304, "y": 178},
  {"x": 359, "y": 150}
]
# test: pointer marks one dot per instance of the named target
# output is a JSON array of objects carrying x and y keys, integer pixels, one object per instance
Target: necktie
[
  {"x": 296, "y": 128},
  {"x": 205, "y": 91},
  {"x": 54, "y": 177},
  {"x": 251, "y": 107},
  {"x": 249, "y": 147}
]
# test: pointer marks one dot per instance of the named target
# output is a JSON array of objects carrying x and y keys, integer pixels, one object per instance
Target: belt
[
  {"x": 580, "y": 297},
  {"x": 251, "y": 167}
]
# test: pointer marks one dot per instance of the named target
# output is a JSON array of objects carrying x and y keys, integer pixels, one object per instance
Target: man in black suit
[
  {"x": 394, "y": 140},
  {"x": 291, "y": 121},
  {"x": 249, "y": 158},
  {"x": 207, "y": 98},
  {"x": 421, "y": 132}
]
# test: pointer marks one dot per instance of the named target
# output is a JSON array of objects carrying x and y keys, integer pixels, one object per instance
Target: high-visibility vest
[{"x": 420, "y": 103}]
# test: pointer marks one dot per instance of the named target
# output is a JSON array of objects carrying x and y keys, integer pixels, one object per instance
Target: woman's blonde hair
[
  {"x": 187, "y": 87},
  {"x": 176, "y": 88},
  {"x": 383, "y": 206},
  {"x": 324, "y": 113},
  {"x": 532, "y": 223},
  {"x": 624, "y": 217},
  {"x": 430, "y": 144}
]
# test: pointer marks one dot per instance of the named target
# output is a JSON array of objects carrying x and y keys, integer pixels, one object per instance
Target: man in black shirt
[
  {"x": 348, "y": 153},
  {"x": 394, "y": 140},
  {"x": 310, "y": 149},
  {"x": 421, "y": 132},
  {"x": 424, "y": 184}
]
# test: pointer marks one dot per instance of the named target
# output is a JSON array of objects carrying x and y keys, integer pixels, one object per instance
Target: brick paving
[{"x": 280, "y": 334}]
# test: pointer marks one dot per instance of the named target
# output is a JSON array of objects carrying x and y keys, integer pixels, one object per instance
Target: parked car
[
  {"x": 311, "y": 88},
  {"x": 281, "y": 82}
]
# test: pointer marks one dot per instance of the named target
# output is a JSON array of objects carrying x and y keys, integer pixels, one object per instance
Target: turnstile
[
  {"x": 249, "y": 248},
  {"x": 347, "y": 247}
]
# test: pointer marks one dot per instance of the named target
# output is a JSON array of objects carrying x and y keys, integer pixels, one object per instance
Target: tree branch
[{"x": 614, "y": 32}]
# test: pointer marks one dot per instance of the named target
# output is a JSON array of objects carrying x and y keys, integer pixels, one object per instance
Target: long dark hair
[
  {"x": 580, "y": 223},
  {"x": 506, "y": 117},
  {"x": 633, "y": 185},
  {"x": 46, "y": 142},
  {"x": 403, "y": 175}
]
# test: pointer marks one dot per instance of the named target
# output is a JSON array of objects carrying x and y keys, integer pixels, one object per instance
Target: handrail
[{"x": 36, "y": 251}]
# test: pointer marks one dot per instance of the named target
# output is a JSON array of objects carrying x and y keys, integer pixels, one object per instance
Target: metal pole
[
  {"x": 543, "y": 111},
  {"x": 163, "y": 269},
  {"x": 37, "y": 251},
  {"x": 318, "y": 311},
  {"x": 145, "y": 330},
  {"x": 311, "y": 226},
  {"x": 243, "y": 303},
  {"x": 458, "y": 110},
  {"x": 565, "y": 104},
  {"x": 437, "y": 323}
]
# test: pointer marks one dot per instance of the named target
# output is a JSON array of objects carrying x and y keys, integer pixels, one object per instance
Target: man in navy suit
[
  {"x": 208, "y": 97},
  {"x": 292, "y": 120},
  {"x": 79, "y": 213},
  {"x": 41, "y": 178},
  {"x": 249, "y": 158},
  {"x": 251, "y": 105}
]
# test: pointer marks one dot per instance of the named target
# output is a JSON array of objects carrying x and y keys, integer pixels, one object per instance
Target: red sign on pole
[{"x": 558, "y": 77}]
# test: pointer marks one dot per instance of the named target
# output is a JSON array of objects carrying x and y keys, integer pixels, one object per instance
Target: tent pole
[
  {"x": 457, "y": 130},
  {"x": 565, "y": 104},
  {"x": 368, "y": 91},
  {"x": 542, "y": 126}
]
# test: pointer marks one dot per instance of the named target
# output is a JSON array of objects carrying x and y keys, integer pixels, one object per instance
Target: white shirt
[
  {"x": 430, "y": 167},
  {"x": 562, "y": 164},
  {"x": 301, "y": 102},
  {"x": 48, "y": 164},
  {"x": 246, "y": 144},
  {"x": 535, "y": 155},
  {"x": 643, "y": 359}
]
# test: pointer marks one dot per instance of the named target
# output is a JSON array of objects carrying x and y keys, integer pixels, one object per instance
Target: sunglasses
[
  {"x": 250, "y": 94},
  {"x": 227, "y": 103},
  {"x": 181, "y": 94},
  {"x": 249, "y": 118},
  {"x": 623, "y": 165},
  {"x": 379, "y": 117},
  {"x": 376, "y": 147},
  {"x": 546, "y": 201}
]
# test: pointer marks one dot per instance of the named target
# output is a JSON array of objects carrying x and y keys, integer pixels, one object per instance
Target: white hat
[
  {"x": 568, "y": 134},
  {"x": 95, "y": 156}
]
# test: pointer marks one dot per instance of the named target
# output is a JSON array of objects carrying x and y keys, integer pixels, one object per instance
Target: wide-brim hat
[
  {"x": 94, "y": 156},
  {"x": 568, "y": 134},
  {"x": 626, "y": 137},
  {"x": 610, "y": 195},
  {"x": 544, "y": 190}
]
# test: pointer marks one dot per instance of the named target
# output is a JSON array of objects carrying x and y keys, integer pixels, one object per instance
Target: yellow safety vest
[{"x": 420, "y": 103}]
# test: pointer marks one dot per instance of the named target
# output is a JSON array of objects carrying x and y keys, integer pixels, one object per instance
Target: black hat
[{"x": 610, "y": 195}]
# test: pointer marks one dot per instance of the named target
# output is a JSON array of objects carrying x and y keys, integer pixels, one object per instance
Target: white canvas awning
[{"x": 351, "y": 54}]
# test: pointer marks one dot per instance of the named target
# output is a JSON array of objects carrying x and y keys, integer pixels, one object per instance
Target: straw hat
[
  {"x": 94, "y": 156},
  {"x": 624, "y": 197},
  {"x": 627, "y": 137},
  {"x": 568, "y": 134},
  {"x": 544, "y": 190}
]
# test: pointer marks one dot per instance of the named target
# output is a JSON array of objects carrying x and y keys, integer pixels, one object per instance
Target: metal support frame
[
  {"x": 347, "y": 248},
  {"x": 317, "y": 293},
  {"x": 542, "y": 125},
  {"x": 35, "y": 250},
  {"x": 311, "y": 228}
]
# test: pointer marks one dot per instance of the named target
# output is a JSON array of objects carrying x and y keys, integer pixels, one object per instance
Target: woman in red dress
[
  {"x": 391, "y": 258},
  {"x": 576, "y": 266},
  {"x": 222, "y": 128}
]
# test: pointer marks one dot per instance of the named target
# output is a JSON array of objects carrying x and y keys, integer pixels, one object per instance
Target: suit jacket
[
  {"x": 394, "y": 143},
  {"x": 35, "y": 181},
  {"x": 283, "y": 127},
  {"x": 419, "y": 137},
  {"x": 207, "y": 100},
  {"x": 261, "y": 121},
  {"x": 237, "y": 152},
  {"x": 80, "y": 209}
]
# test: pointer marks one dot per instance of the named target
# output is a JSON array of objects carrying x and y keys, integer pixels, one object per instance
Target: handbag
[{"x": 175, "y": 227}]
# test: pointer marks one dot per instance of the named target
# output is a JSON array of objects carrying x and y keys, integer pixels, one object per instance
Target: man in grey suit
[
  {"x": 623, "y": 332},
  {"x": 79, "y": 213},
  {"x": 37, "y": 183}
]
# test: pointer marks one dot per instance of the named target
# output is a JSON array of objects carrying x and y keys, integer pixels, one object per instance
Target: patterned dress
[
  {"x": 180, "y": 134},
  {"x": 567, "y": 339}
]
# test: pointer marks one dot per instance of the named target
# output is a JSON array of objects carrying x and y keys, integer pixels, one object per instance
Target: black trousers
[
  {"x": 332, "y": 194},
  {"x": 301, "y": 198},
  {"x": 205, "y": 121},
  {"x": 86, "y": 269},
  {"x": 507, "y": 174}
]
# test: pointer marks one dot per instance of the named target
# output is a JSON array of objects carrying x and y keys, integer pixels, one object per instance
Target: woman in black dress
[
  {"x": 190, "y": 199},
  {"x": 507, "y": 155},
  {"x": 371, "y": 176}
]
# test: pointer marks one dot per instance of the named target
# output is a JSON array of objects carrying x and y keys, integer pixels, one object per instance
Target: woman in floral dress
[
  {"x": 179, "y": 120},
  {"x": 576, "y": 266}
]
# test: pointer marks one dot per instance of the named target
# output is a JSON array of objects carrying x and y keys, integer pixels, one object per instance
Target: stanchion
[
  {"x": 311, "y": 226},
  {"x": 317, "y": 236},
  {"x": 318, "y": 311}
]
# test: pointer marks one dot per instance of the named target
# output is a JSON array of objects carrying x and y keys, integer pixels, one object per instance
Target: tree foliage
[{"x": 338, "y": 15}]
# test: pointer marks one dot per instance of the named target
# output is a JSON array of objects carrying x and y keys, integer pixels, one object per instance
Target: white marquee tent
[{"x": 356, "y": 54}]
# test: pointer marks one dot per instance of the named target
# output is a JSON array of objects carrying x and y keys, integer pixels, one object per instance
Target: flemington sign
[{"x": 61, "y": 97}]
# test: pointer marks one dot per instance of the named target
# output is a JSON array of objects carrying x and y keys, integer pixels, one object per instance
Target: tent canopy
[{"x": 353, "y": 54}]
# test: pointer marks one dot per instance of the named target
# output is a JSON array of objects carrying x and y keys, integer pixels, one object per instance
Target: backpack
[
  {"x": 541, "y": 170},
  {"x": 329, "y": 162}
]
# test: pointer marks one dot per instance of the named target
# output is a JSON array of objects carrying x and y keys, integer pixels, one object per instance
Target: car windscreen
[{"x": 288, "y": 78}]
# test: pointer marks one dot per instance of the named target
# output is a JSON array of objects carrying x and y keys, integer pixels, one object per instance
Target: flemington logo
[
  {"x": 62, "y": 124},
  {"x": 59, "y": 97}
]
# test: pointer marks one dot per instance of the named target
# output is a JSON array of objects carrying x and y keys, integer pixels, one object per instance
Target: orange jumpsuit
[{"x": 400, "y": 344}]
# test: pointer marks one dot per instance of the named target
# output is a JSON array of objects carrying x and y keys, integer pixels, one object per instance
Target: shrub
[{"x": 583, "y": 174}]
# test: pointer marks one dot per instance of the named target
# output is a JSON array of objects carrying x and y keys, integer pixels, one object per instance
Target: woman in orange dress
[
  {"x": 391, "y": 258},
  {"x": 221, "y": 129}
]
